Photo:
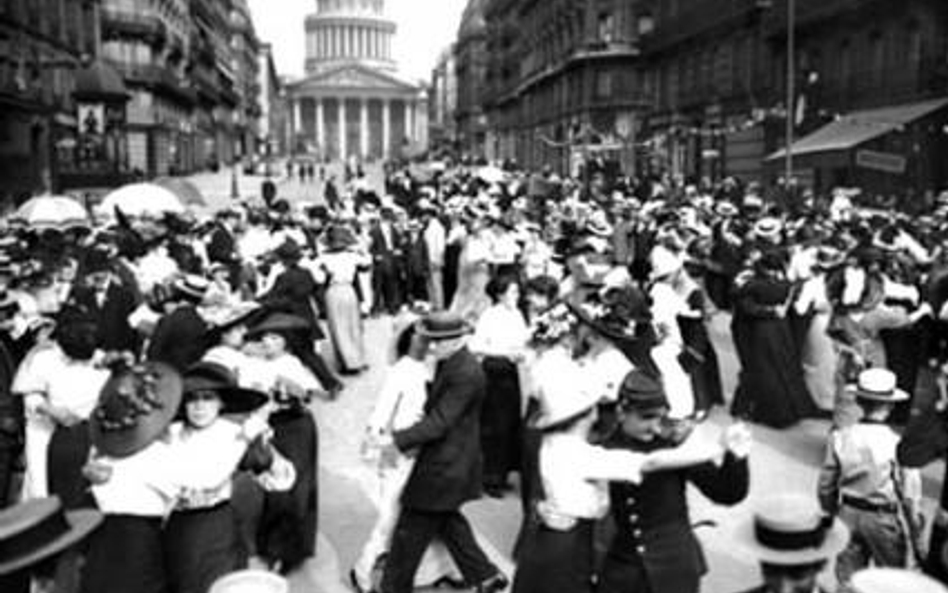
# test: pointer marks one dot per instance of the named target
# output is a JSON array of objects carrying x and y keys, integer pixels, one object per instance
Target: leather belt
[{"x": 867, "y": 505}]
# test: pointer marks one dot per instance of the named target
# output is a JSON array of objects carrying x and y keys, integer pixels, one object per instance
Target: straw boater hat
[
  {"x": 135, "y": 406},
  {"x": 791, "y": 530},
  {"x": 829, "y": 258},
  {"x": 210, "y": 376},
  {"x": 191, "y": 287},
  {"x": 879, "y": 385},
  {"x": 768, "y": 228},
  {"x": 444, "y": 325},
  {"x": 893, "y": 580},
  {"x": 250, "y": 581},
  {"x": 37, "y": 529}
]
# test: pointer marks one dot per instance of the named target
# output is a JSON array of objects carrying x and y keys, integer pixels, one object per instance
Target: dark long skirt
[
  {"x": 771, "y": 388},
  {"x": 200, "y": 547},
  {"x": 500, "y": 421},
  {"x": 560, "y": 561},
  {"x": 68, "y": 451},
  {"x": 287, "y": 530},
  {"x": 125, "y": 554},
  {"x": 705, "y": 376}
]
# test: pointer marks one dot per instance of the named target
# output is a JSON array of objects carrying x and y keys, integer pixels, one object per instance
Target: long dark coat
[{"x": 448, "y": 470}]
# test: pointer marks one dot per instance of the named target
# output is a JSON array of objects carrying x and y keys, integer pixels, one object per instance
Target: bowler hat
[
  {"x": 135, "y": 406},
  {"x": 640, "y": 391},
  {"x": 792, "y": 530},
  {"x": 289, "y": 250},
  {"x": 211, "y": 376},
  {"x": 37, "y": 529},
  {"x": 443, "y": 325}
]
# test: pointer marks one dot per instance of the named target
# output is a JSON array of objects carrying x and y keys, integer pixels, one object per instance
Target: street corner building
[{"x": 352, "y": 101}]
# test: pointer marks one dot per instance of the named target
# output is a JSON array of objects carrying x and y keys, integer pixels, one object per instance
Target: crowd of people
[{"x": 551, "y": 338}]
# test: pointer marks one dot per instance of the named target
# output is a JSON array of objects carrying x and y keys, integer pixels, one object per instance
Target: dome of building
[{"x": 349, "y": 31}]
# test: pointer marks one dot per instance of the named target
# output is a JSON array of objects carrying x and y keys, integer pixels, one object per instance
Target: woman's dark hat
[
  {"x": 97, "y": 260},
  {"x": 792, "y": 530},
  {"x": 443, "y": 325},
  {"x": 289, "y": 251},
  {"x": 278, "y": 323},
  {"x": 210, "y": 376},
  {"x": 640, "y": 391},
  {"x": 339, "y": 237},
  {"x": 135, "y": 406},
  {"x": 37, "y": 529}
]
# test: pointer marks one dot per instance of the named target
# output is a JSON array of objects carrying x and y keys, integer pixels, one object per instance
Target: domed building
[{"x": 353, "y": 102}]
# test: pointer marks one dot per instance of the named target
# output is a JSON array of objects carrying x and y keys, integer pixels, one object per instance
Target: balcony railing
[{"x": 136, "y": 24}]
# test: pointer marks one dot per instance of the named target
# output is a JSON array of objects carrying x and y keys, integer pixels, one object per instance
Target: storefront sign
[{"x": 880, "y": 161}]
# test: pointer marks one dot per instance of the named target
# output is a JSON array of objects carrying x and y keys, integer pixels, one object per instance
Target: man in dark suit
[
  {"x": 110, "y": 301},
  {"x": 447, "y": 472},
  {"x": 180, "y": 337},
  {"x": 385, "y": 245},
  {"x": 222, "y": 244},
  {"x": 655, "y": 549}
]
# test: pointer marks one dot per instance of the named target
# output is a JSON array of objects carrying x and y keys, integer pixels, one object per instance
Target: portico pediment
[{"x": 353, "y": 78}]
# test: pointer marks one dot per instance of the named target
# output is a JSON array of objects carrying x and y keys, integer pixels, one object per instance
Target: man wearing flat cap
[{"x": 655, "y": 549}]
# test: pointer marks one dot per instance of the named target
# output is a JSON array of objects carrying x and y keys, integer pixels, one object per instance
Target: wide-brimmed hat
[
  {"x": 664, "y": 262},
  {"x": 191, "y": 287},
  {"x": 640, "y": 391},
  {"x": 223, "y": 319},
  {"x": 791, "y": 530},
  {"x": 768, "y": 228},
  {"x": 250, "y": 581},
  {"x": 878, "y": 384},
  {"x": 37, "y": 529},
  {"x": 339, "y": 237},
  {"x": 211, "y": 376},
  {"x": 277, "y": 322},
  {"x": 893, "y": 580},
  {"x": 443, "y": 325},
  {"x": 617, "y": 315},
  {"x": 135, "y": 406},
  {"x": 289, "y": 250}
]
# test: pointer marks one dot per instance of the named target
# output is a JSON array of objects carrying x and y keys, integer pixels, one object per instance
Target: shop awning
[{"x": 858, "y": 127}]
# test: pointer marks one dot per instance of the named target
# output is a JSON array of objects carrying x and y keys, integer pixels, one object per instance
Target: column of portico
[
  {"x": 408, "y": 133},
  {"x": 343, "y": 149},
  {"x": 320, "y": 126},
  {"x": 364, "y": 128},
  {"x": 297, "y": 116},
  {"x": 386, "y": 127}
]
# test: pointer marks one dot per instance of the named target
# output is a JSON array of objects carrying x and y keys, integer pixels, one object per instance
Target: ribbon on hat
[{"x": 788, "y": 541}]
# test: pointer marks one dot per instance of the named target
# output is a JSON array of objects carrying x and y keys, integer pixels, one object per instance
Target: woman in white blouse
[
  {"x": 200, "y": 538},
  {"x": 400, "y": 404},
  {"x": 341, "y": 264},
  {"x": 500, "y": 338},
  {"x": 60, "y": 384}
]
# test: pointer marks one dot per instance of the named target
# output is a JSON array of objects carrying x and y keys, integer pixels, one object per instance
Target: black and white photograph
[{"x": 474, "y": 296}]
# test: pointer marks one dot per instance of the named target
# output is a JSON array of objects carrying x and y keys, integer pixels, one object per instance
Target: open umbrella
[
  {"x": 141, "y": 200},
  {"x": 186, "y": 191},
  {"x": 491, "y": 174},
  {"x": 53, "y": 212}
]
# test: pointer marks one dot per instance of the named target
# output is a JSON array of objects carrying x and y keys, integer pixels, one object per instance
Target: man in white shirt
[{"x": 435, "y": 238}]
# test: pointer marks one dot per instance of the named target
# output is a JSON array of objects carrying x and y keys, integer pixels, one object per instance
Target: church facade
[{"x": 352, "y": 101}]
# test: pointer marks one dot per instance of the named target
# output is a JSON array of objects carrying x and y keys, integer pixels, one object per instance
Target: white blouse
[
  {"x": 142, "y": 485},
  {"x": 500, "y": 331},
  {"x": 401, "y": 400},
  {"x": 604, "y": 372},
  {"x": 74, "y": 385},
  {"x": 576, "y": 475}
]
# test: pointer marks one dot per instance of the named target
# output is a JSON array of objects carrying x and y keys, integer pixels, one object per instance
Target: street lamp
[{"x": 791, "y": 80}]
